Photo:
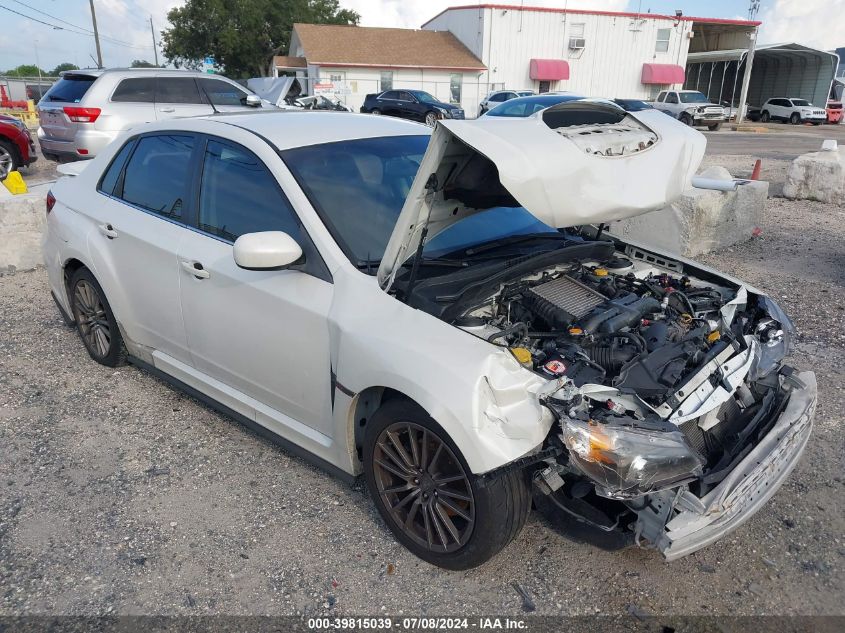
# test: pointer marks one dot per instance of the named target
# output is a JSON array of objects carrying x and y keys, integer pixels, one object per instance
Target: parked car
[
  {"x": 500, "y": 96},
  {"x": 792, "y": 110},
  {"x": 16, "y": 147},
  {"x": 414, "y": 105},
  {"x": 86, "y": 109},
  {"x": 526, "y": 106},
  {"x": 691, "y": 107},
  {"x": 633, "y": 105},
  {"x": 437, "y": 311},
  {"x": 321, "y": 102}
]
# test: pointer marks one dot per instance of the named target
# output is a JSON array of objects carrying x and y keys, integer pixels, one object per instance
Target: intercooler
[{"x": 564, "y": 293}]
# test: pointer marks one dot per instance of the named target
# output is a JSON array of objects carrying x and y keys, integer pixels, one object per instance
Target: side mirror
[
  {"x": 253, "y": 101},
  {"x": 266, "y": 250}
]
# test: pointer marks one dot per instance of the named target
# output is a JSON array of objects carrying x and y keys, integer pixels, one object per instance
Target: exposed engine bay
[{"x": 659, "y": 378}]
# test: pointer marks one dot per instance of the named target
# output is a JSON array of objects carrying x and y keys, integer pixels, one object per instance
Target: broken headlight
[
  {"x": 627, "y": 462},
  {"x": 775, "y": 335}
]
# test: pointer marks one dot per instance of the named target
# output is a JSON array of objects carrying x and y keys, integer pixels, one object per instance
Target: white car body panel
[{"x": 541, "y": 169}]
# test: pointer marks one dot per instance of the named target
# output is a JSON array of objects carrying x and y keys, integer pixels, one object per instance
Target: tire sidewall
[
  {"x": 484, "y": 541},
  {"x": 116, "y": 355},
  {"x": 795, "y": 119},
  {"x": 765, "y": 117},
  {"x": 13, "y": 152}
]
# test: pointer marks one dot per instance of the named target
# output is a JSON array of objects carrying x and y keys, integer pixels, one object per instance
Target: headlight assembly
[
  {"x": 775, "y": 334},
  {"x": 626, "y": 461}
]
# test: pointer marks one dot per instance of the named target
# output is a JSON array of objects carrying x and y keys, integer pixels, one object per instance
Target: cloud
[
  {"x": 816, "y": 23},
  {"x": 412, "y": 14}
]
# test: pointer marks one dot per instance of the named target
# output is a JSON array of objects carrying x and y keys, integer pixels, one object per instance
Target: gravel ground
[{"x": 119, "y": 495}]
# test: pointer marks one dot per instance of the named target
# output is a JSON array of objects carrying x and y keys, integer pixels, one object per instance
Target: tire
[
  {"x": 483, "y": 519},
  {"x": 686, "y": 119},
  {"x": 795, "y": 119},
  {"x": 375, "y": 111},
  {"x": 9, "y": 159},
  {"x": 95, "y": 320},
  {"x": 765, "y": 117},
  {"x": 714, "y": 127},
  {"x": 430, "y": 118}
]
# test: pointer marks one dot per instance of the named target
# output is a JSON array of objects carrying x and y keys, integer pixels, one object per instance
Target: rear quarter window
[
  {"x": 110, "y": 177},
  {"x": 70, "y": 88}
]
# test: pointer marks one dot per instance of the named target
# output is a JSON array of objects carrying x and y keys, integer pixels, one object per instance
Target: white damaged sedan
[{"x": 442, "y": 312}]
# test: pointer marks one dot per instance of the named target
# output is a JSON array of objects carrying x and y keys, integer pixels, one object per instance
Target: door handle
[
  {"x": 167, "y": 109},
  {"x": 196, "y": 269},
  {"x": 108, "y": 231}
]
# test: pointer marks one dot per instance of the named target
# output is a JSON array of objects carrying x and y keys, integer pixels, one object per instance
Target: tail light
[
  {"x": 82, "y": 115},
  {"x": 51, "y": 201}
]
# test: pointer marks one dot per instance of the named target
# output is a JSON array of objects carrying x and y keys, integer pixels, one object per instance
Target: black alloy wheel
[
  {"x": 424, "y": 486},
  {"x": 94, "y": 319}
]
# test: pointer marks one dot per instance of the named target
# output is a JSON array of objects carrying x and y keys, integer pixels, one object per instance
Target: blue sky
[{"x": 818, "y": 23}]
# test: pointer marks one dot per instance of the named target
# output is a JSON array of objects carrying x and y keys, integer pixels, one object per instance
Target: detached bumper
[{"x": 692, "y": 526}]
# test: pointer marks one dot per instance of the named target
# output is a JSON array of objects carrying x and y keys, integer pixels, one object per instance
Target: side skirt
[{"x": 253, "y": 426}]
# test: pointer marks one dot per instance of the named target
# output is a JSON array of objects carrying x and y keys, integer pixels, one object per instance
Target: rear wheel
[
  {"x": 765, "y": 117},
  {"x": 375, "y": 111},
  {"x": 9, "y": 160},
  {"x": 431, "y": 119},
  {"x": 429, "y": 498},
  {"x": 95, "y": 320},
  {"x": 795, "y": 119}
]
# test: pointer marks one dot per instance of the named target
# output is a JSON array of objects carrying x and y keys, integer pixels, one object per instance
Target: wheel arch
[{"x": 364, "y": 405}]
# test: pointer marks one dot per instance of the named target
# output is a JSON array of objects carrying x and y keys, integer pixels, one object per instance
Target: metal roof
[{"x": 739, "y": 53}]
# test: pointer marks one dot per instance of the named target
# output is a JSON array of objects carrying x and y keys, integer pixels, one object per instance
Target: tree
[
  {"x": 244, "y": 36},
  {"x": 25, "y": 70},
  {"x": 141, "y": 63},
  {"x": 63, "y": 67}
]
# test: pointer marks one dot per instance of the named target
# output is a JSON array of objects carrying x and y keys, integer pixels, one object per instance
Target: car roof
[
  {"x": 287, "y": 129},
  {"x": 96, "y": 72}
]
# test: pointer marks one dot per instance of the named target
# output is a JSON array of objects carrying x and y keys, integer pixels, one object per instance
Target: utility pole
[
  {"x": 96, "y": 35},
  {"x": 152, "y": 31}
]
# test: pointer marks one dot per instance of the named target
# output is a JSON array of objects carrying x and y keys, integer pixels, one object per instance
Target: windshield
[
  {"x": 526, "y": 106},
  {"x": 486, "y": 226},
  {"x": 358, "y": 187},
  {"x": 693, "y": 97},
  {"x": 424, "y": 97},
  {"x": 801, "y": 102}
]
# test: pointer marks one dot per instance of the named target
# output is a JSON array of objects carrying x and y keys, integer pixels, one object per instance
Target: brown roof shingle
[{"x": 328, "y": 44}]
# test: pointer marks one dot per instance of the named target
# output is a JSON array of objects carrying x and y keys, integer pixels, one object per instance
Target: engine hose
[
  {"x": 515, "y": 328},
  {"x": 686, "y": 300}
]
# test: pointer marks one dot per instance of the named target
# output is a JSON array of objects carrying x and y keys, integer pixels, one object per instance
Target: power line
[{"x": 23, "y": 4}]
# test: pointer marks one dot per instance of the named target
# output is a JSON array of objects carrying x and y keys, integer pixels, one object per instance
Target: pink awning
[
  {"x": 662, "y": 74},
  {"x": 548, "y": 69}
]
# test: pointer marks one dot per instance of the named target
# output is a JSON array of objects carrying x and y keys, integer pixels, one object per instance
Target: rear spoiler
[{"x": 73, "y": 169}]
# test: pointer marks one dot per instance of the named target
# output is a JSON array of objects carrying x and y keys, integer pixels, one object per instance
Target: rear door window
[
  {"x": 70, "y": 88},
  {"x": 239, "y": 195},
  {"x": 222, "y": 93},
  {"x": 136, "y": 90},
  {"x": 109, "y": 179},
  {"x": 390, "y": 94},
  {"x": 177, "y": 90},
  {"x": 158, "y": 175}
]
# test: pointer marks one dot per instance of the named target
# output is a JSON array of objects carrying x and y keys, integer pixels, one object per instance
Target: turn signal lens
[
  {"x": 51, "y": 201},
  {"x": 81, "y": 115}
]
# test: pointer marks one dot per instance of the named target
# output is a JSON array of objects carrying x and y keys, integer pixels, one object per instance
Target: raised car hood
[{"x": 581, "y": 162}]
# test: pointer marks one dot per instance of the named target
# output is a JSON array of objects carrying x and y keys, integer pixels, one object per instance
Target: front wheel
[
  {"x": 95, "y": 320},
  {"x": 431, "y": 501},
  {"x": 431, "y": 119},
  {"x": 714, "y": 127},
  {"x": 795, "y": 119}
]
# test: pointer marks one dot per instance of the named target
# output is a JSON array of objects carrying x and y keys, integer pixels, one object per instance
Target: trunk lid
[{"x": 580, "y": 162}]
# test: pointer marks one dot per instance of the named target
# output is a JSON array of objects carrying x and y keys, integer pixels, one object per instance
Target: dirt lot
[{"x": 120, "y": 495}]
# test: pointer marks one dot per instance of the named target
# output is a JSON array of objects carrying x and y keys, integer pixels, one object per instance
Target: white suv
[
  {"x": 500, "y": 96},
  {"x": 86, "y": 109},
  {"x": 793, "y": 110},
  {"x": 437, "y": 311}
]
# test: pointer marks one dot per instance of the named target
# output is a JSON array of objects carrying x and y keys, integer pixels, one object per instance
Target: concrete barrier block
[
  {"x": 701, "y": 220},
  {"x": 22, "y": 221},
  {"x": 817, "y": 176}
]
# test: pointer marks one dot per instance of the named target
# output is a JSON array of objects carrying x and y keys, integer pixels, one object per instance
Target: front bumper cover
[{"x": 677, "y": 523}]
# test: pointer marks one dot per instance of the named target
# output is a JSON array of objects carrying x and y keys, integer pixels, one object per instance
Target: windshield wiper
[{"x": 514, "y": 239}]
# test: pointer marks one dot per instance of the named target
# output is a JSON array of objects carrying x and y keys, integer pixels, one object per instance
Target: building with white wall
[{"x": 350, "y": 62}]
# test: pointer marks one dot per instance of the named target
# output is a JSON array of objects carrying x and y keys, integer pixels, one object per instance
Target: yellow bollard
[{"x": 15, "y": 183}]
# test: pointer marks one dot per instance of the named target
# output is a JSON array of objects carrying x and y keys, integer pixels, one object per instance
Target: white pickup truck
[{"x": 690, "y": 107}]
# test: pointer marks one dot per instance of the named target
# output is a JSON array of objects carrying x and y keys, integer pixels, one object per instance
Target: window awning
[
  {"x": 548, "y": 69},
  {"x": 662, "y": 74}
]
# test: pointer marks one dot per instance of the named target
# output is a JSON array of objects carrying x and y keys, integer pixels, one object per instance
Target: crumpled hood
[{"x": 580, "y": 162}]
